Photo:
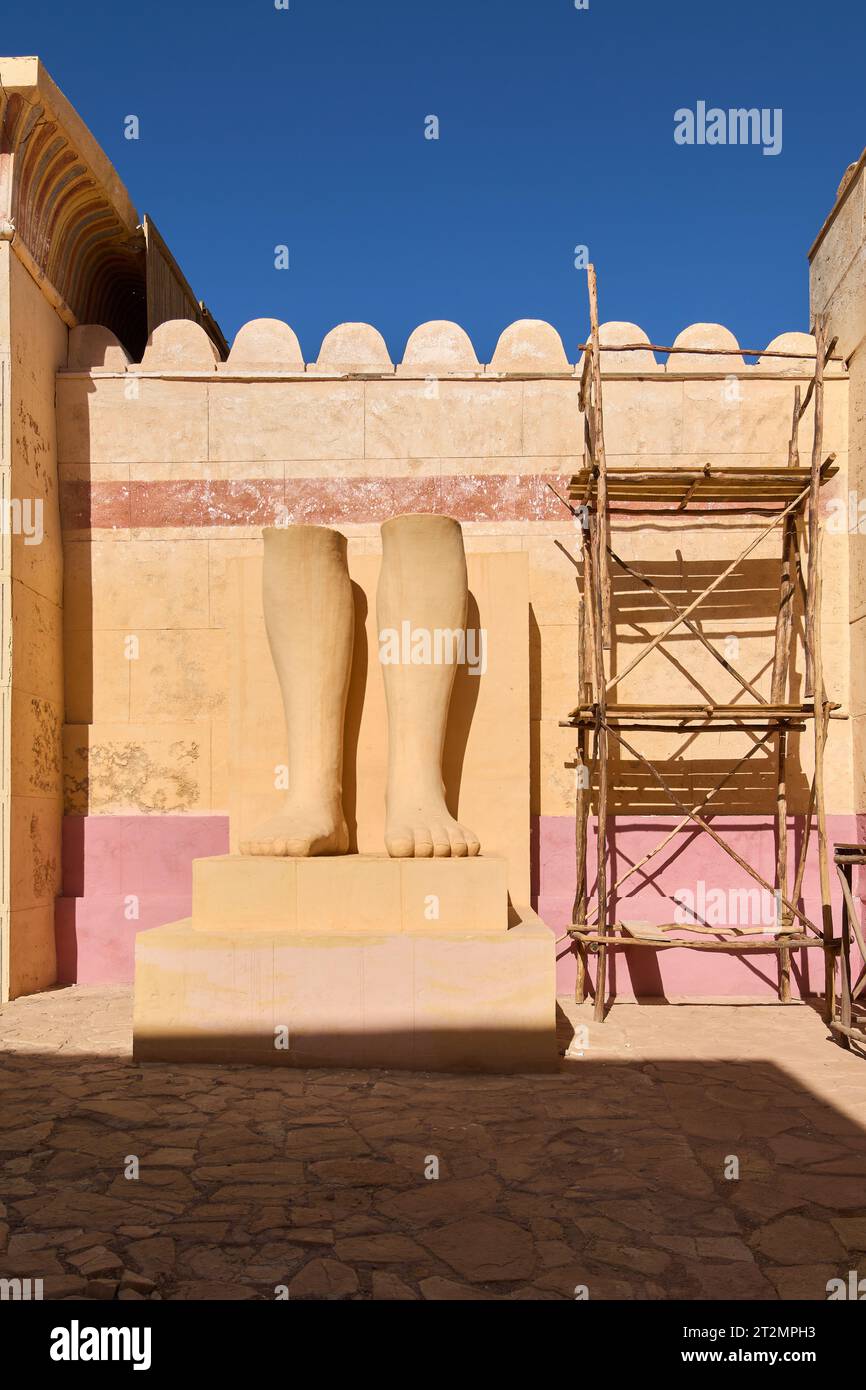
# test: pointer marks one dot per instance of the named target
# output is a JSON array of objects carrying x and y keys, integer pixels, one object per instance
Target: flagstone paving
[{"x": 681, "y": 1152}]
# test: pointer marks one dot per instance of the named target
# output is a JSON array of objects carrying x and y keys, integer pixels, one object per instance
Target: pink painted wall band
[{"x": 108, "y": 860}]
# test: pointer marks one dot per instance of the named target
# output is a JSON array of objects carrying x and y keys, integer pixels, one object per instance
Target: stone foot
[
  {"x": 425, "y": 830},
  {"x": 300, "y": 833}
]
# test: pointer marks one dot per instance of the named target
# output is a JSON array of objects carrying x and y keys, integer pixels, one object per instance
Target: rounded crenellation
[
  {"x": 529, "y": 345},
  {"x": 439, "y": 348},
  {"x": 354, "y": 347},
  {"x": 526, "y": 348},
  {"x": 92, "y": 347},
  {"x": 265, "y": 345},
  {"x": 179, "y": 345},
  {"x": 704, "y": 336}
]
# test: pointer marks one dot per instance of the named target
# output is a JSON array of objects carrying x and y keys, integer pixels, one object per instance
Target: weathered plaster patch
[
  {"x": 45, "y": 747},
  {"x": 33, "y": 448},
  {"x": 126, "y": 775},
  {"x": 44, "y": 865}
]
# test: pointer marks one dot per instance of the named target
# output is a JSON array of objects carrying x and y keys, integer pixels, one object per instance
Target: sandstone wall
[
  {"x": 170, "y": 468},
  {"x": 32, "y": 346},
  {"x": 838, "y": 290}
]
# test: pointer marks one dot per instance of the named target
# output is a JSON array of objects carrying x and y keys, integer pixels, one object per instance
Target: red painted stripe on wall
[{"x": 315, "y": 501}]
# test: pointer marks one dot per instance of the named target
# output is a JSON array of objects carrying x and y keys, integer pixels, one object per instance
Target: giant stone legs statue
[
  {"x": 314, "y": 957},
  {"x": 309, "y": 620}
]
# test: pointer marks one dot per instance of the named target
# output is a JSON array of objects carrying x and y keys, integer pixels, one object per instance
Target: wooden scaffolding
[
  {"x": 849, "y": 1024},
  {"x": 786, "y": 496}
]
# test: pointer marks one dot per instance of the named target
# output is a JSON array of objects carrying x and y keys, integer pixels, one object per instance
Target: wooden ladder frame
[{"x": 790, "y": 496}]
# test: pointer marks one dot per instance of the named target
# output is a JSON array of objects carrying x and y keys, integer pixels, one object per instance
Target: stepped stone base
[
  {"x": 351, "y": 892},
  {"x": 333, "y": 963}
]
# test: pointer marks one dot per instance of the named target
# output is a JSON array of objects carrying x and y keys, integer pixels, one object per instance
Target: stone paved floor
[{"x": 610, "y": 1174}]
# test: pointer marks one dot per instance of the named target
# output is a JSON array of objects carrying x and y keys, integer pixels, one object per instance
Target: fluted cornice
[{"x": 64, "y": 208}]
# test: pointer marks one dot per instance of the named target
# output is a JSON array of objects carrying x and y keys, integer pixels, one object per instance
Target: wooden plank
[
  {"x": 799, "y": 711},
  {"x": 711, "y": 512},
  {"x": 762, "y": 713},
  {"x": 725, "y": 472},
  {"x": 670, "y": 485},
  {"x": 647, "y": 726},
  {"x": 796, "y": 943}
]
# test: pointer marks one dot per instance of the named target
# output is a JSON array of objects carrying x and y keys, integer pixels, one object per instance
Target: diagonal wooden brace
[{"x": 692, "y": 815}]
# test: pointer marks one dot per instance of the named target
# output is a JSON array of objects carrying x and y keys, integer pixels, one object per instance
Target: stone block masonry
[{"x": 169, "y": 468}]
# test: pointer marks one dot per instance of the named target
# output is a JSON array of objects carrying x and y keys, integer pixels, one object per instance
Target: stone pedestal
[{"x": 352, "y": 961}]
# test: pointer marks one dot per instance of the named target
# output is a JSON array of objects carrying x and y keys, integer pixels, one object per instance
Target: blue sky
[{"x": 305, "y": 127}]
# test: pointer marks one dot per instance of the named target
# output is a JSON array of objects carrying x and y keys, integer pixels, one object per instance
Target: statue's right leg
[{"x": 309, "y": 616}]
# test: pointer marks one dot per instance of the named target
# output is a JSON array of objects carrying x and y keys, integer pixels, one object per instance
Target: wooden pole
[
  {"x": 812, "y": 519},
  {"x": 851, "y": 910},
  {"x": 600, "y": 461},
  {"x": 811, "y": 387},
  {"x": 793, "y": 443},
  {"x": 601, "y": 749},
  {"x": 582, "y": 793},
  {"x": 785, "y": 920},
  {"x": 590, "y": 683},
  {"x": 784, "y": 627},
  {"x": 580, "y": 818},
  {"x": 778, "y": 691},
  {"x": 823, "y": 862},
  {"x": 845, "y": 872},
  {"x": 815, "y": 668},
  {"x": 804, "y": 848}
]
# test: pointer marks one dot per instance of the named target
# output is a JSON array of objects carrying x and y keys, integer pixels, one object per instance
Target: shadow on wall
[
  {"x": 464, "y": 698},
  {"x": 354, "y": 710}
]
